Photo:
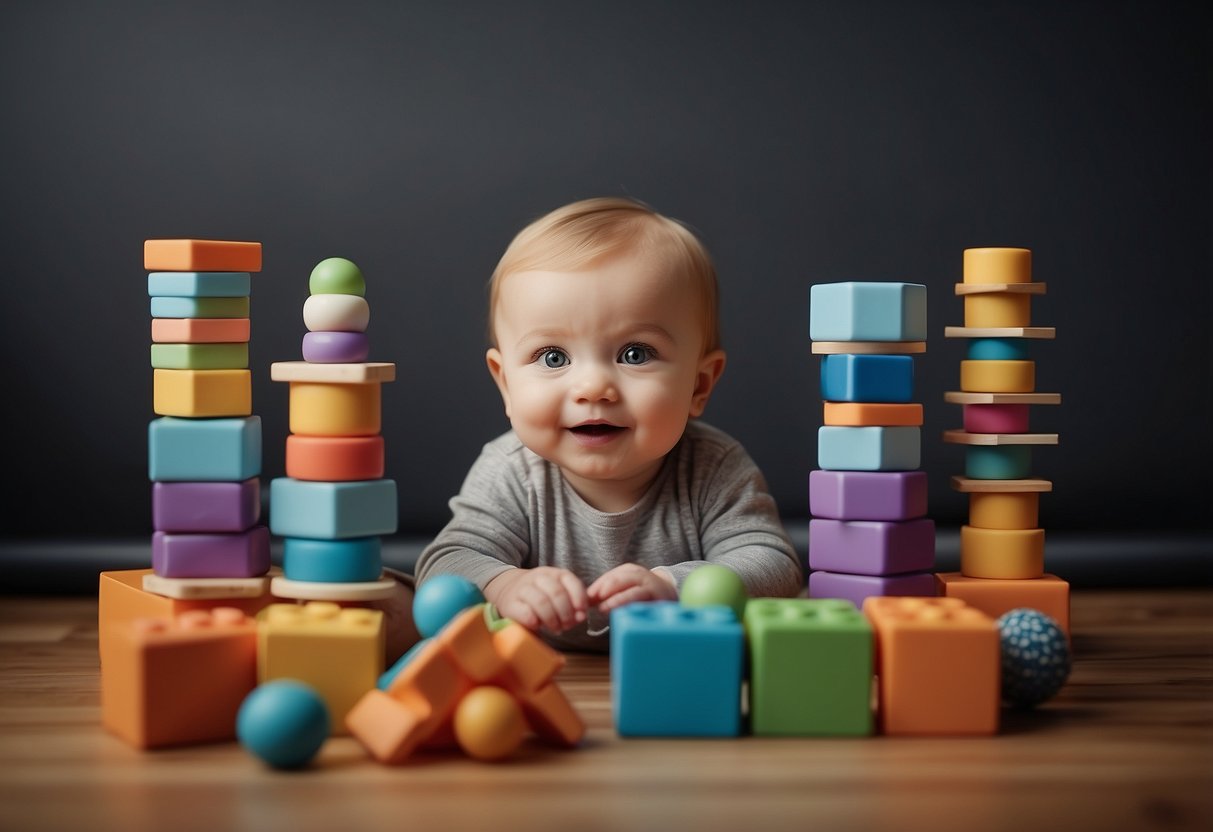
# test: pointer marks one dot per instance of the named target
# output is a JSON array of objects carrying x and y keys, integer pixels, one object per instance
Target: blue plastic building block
[
  {"x": 868, "y": 312},
  {"x": 332, "y": 561},
  {"x": 998, "y": 462},
  {"x": 869, "y": 448},
  {"x": 204, "y": 450},
  {"x": 867, "y": 378},
  {"x": 676, "y": 671},
  {"x": 998, "y": 349},
  {"x": 332, "y": 510},
  {"x": 198, "y": 307},
  {"x": 199, "y": 284}
]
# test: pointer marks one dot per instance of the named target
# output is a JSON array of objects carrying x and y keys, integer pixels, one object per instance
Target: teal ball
[
  {"x": 1035, "y": 657},
  {"x": 441, "y": 598},
  {"x": 284, "y": 723},
  {"x": 712, "y": 584},
  {"x": 337, "y": 276}
]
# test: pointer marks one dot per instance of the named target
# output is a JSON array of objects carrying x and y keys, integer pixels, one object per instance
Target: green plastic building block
[
  {"x": 200, "y": 356},
  {"x": 810, "y": 667}
]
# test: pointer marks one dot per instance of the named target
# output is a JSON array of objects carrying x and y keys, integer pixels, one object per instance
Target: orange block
[
  {"x": 200, "y": 330},
  {"x": 998, "y": 309},
  {"x": 862, "y": 414},
  {"x": 938, "y": 663},
  {"x": 1004, "y": 509},
  {"x": 997, "y": 265},
  {"x": 1048, "y": 593},
  {"x": 334, "y": 458},
  {"x": 977, "y": 376},
  {"x": 201, "y": 256},
  {"x": 178, "y": 682},
  {"x": 324, "y": 409},
  {"x": 1004, "y": 554}
]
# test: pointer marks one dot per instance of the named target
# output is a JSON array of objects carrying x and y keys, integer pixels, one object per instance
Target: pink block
[{"x": 996, "y": 418}]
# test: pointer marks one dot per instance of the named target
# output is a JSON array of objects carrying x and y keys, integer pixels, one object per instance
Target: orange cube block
[
  {"x": 1005, "y": 554},
  {"x": 938, "y": 664},
  {"x": 334, "y": 458},
  {"x": 200, "y": 330},
  {"x": 864, "y": 414},
  {"x": 1048, "y": 593},
  {"x": 201, "y": 256},
  {"x": 178, "y": 682}
]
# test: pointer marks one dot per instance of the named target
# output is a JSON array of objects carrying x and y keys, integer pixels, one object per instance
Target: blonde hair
[{"x": 583, "y": 233}]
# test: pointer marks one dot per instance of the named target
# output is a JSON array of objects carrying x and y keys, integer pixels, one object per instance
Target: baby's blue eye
[
  {"x": 635, "y": 354},
  {"x": 554, "y": 359}
]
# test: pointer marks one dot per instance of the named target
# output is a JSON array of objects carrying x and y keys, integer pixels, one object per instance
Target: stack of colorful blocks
[
  {"x": 334, "y": 504},
  {"x": 869, "y": 535},
  {"x": 1002, "y": 546},
  {"x": 205, "y": 450}
]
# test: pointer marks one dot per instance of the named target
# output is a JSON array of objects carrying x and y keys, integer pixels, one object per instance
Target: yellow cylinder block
[
  {"x": 997, "y": 376},
  {"x": 998, "y": 309},
  {"x": 1004, "y": 510},
  {"x": 320, "y": 409},
  {"x": 197, "y": 394},
  {"x": 997, "y": 265},
  {"x": 1009, "y": 554}
]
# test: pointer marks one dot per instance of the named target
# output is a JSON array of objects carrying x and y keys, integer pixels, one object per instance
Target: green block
[
  {"x": 337, "y": 276},
  {"x": 200, "y": 356},
  {"x": 810, "y": 667}
]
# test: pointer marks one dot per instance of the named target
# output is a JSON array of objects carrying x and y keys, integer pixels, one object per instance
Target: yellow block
[
  {"x": 339, "y": 652},
  {"x": 1012, "y": 554},
  {"x": 997, "y": 265},
  {"x": 1004, "y": 510},
  {"x": 998, "y": 309},
  {"x": 319, "y": 409},
  {"x": 997, "y": 376},
  {"x": 201, "y": 393}
]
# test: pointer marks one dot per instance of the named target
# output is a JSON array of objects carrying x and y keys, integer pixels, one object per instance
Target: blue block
[
  {"x": 998, "y": 349},
  {"x": 332, "y": 561},
  {"x": 204, "y": 450},
  {"x": 998, "y": 462},
  {"x": 676, "y": 671},
  {"x": 867, "y": 378},
  {"x": 869, "y": 448},
  {"x": 199, "y": 307},
  {"x": 199, "y": 284},
  {"x": 332, "y": 510},
  {"x": 868, "y": 312}
]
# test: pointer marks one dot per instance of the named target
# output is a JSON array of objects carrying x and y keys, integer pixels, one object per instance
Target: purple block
[
  {"x": 244, "y": 555},
  {"x": 855, "y": 588},
  {"x": 872, "y": 547},
  {"x": 206, "y": 506},
  {"x": 336, "y": 347},
  {"x": 868, "y": 495}
]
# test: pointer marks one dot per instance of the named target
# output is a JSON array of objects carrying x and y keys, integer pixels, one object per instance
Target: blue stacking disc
[
  {"x": 998, "y": 349},
  {"x": 332, "y": 561},
  {"x": 998, "y": 462}
]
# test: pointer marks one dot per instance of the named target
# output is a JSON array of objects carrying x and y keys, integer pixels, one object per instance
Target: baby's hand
[
  {"x": 630, "y": 582},
  {"x": 545, "y": 596}
]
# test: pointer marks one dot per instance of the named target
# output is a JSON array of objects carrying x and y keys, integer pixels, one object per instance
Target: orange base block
[{"x": 1049, "y": 594}]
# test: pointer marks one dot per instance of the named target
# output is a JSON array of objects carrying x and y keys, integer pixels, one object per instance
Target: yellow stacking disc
[
  {"x": 997, "y": 265},
  {"x": 998, "y": 309},
  {"x": 997, "y": 376},
  {"x": 1005, "y": 510},
  {"x": 1010, "y": 554},
  {"x": 319, "y": 409}
]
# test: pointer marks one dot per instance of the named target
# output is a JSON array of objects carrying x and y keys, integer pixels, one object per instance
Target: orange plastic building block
[
  {"x": 1004, "y": 510},
  {"x": 200, "y": 330},
  {"x": 1048, "y": 593},
  {"x": 1005, "y": 554},
  {"x": 201, "y": 256},
  {"x": 178, "y": 682},
  {"x": 938, "y": 663},
  {"x": 863, "y": 414},
  {"x": 998, "y": 309},
  {"x": 334, "y": 458}
]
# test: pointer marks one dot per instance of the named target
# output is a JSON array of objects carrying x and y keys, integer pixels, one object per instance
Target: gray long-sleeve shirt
[{"x": 709, "y": 502}]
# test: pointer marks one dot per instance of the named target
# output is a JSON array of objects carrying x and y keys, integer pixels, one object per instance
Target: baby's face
[{"x": 601, "y": 369}]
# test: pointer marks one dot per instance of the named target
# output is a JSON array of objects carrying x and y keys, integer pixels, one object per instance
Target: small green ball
[
  {"x": 337, "y": 276},
  {"x": 713, "y": 584}
]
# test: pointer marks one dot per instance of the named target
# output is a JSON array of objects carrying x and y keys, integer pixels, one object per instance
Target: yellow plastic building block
[
  {"x": 319, "y": 409},
  {"x": 201, "y": 256},
  {"x": 938, "y": 663},
  {"x": 997, "y": 376},
  {"x": 338, "y": 651},
  {"x": 998, "y": 309},
  {"x": 1004, "y": 510},
  {"x": 997, "y": 265},
  {"x": 1048, "y": 593},
  {"x": 1006, "y": 554},
  {"x": 202, "y": 393}
]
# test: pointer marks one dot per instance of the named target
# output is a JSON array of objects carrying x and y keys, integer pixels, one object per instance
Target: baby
[{"x": 603, "y": 325}]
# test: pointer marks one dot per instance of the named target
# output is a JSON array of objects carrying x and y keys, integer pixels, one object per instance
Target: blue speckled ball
[
  {"x": 284, "y": 722},
  {"x": 1035, "y": 657}
]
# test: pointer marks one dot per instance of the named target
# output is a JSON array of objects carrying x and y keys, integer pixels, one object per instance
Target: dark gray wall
[{"x": 807, "y": 142}]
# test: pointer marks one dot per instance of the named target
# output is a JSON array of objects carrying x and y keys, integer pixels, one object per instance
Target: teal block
[
  {"x": 810, "y": 667},
  {"x": 356, "y": 560},
  {"x": 200, "y": 307},
  {"x": 998, "y": 462},
  {"x": 204, "y": 450},
  {"x": 867, "y": 378},
  {"x": 868, "y": 448},
  {"x": 332, "y": 510},
  {"x": 676, "y": 671},
  {"x": 199, "y": 284},
  {"x": 998, "y": 349},
  {"x": 868, "y": 312}
]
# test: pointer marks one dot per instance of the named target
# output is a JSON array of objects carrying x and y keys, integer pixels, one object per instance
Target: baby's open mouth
[{"x": 596, "y": 430}]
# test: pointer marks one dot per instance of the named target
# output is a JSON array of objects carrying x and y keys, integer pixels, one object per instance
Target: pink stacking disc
[
  {"x": 996, "y": 418},
  {"x": 336, "y": 347}
]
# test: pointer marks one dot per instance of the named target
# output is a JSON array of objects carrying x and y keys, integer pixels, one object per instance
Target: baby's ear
[
  {"x": 493, "y": 359},
  {"x": 710, "y": 368}
]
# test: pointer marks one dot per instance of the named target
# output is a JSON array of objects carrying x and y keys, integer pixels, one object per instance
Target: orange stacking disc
[
  {"x": 1004, "y": 510},
  {"x": 1002, "y": 553},
  {"x": 866, "y": 414},
  {"x": 321, "y": 409},
  {"x": 997, "y": 265},
  {"x": 334, "y": 458},
  {"x": 997, "y": 376},
  {"x": 998, "y": 309}
]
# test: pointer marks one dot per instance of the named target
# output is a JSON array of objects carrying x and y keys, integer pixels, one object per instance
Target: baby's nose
[{"x": 595, "y": 383}]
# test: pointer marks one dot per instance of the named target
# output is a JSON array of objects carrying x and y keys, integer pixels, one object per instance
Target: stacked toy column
[
  {"x": 334, "y": 504},
  {"x": 1002, "y": 546},
  {"x": 205, "y": 450},
  {"x": 869, "y": 535}
]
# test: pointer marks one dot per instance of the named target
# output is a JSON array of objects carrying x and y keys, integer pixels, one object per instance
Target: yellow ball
[{"x": 489, "y": 723}]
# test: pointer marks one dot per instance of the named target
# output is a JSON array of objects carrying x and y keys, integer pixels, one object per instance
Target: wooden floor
[{"x": 1127, "y": 745}]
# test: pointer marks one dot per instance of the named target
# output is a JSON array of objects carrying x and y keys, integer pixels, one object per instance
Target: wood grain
[{"x": 1127, "y": 745}]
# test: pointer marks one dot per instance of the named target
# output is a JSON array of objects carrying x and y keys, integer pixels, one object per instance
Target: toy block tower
[
  {"x": 869, "y": 535},
  {"x": 333, "y": 504},
  {"x": 205, "y": 449},
  {"x": 1002, "y": 546}
]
